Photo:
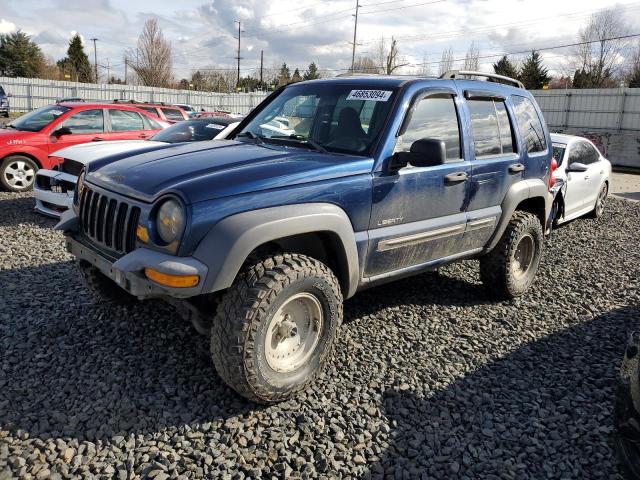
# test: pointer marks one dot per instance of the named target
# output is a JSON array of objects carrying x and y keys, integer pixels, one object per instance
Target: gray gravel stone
[{"x": 430, "y": 377}]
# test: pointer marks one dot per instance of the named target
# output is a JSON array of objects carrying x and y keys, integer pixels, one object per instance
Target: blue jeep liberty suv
[{"x": 326, "y": 188}]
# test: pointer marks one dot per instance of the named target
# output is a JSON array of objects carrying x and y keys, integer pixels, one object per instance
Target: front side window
[
  {"x": 583, "y": 152},
  {"x": 340, "y": 118},
  {"x": 87, "y": 121},
  {"x": 38, "y": 119},
  {"x": 558, "y": 152},
  {"x": 433, "y": 117},
  {"x": 172, "y": 114},
  {"x": 491, "y": 127},
  {"x": 529, "y": 125},
  {"x": 125, "y": 121}
]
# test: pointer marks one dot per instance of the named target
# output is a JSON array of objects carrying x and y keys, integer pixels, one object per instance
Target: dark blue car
[{"x": 326, "y": 188}]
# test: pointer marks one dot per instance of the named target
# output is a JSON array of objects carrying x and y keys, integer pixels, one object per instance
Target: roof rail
[
  {"x": 360, "y": 74},
  {"x": 453, "y": 74}
]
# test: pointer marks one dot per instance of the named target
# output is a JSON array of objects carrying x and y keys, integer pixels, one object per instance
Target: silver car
[{"x": 583, "y": 178}]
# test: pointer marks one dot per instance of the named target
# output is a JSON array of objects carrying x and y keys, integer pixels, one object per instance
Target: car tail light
[{"x": 554, "y": 167}]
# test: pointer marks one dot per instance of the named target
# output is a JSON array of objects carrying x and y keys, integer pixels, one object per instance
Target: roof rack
[{"x": 453, "y": 74}]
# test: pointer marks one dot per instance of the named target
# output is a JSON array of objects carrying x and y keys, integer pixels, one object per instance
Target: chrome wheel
[
  {"x": 19, "y": 174},
  {"x": 293, "y": 333},
  {"x": 602, "y": 196},
  {"x": 523, "y": 256}
]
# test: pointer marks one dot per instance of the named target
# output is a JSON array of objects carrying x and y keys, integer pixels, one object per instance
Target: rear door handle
[
  {"x": 455, "y": 177},
  {"x": 97, "y": 139},
  {"x": 143, "y": 135},
  {"x": 516, "y": 168}
]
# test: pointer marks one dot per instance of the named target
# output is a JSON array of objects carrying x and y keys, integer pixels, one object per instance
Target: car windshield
[
  {"x": 558, "y": 152},
  {"x": 190, "y": 131},
  {"x": 323, "y": 116},
  {"x": 38, "y": 119}
]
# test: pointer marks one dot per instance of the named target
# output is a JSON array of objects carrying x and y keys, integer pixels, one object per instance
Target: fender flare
[
  {"x": 229, "y": 242},
  {"x": 33, "y": 153},
  {"x": 519, "y": 192}
]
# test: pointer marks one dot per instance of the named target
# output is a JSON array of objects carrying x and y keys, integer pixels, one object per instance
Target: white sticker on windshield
[
  {"x": 214, "y": 125},
  {"x": 56, "y": 112},
  {"x": 373, "y": 95}
]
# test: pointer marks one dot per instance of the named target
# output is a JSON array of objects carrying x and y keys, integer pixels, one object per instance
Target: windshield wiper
[
  {"x": 253, "y": 136},
  {"x": 303, "y": 140}
]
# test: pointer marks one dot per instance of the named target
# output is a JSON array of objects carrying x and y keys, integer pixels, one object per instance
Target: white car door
[
  {"x": 595, "y": 174},
  {"x": 577, "y": 182}
]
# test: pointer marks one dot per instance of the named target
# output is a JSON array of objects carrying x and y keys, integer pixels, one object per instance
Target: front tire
[
  {"x": 275, "y": 327},
  {"x": 510, "y": 268},
  {"x": 17, "y": 173},
  {"x": 598, "y": 209}
]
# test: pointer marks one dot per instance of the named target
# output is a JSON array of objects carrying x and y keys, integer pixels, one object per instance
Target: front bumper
[
  {"x": 53, "y": 192},
  {"x": 128, "y": 271}
]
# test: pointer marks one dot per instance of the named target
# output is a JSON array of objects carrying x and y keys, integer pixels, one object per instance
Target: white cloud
[{"x": 7, "y": 26}]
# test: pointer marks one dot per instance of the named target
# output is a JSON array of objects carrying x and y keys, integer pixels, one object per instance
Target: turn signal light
[
  {"x": 142, "y": 233},
  {"x": 176, "y": 281},
  {"x": 554, "y": 167}
]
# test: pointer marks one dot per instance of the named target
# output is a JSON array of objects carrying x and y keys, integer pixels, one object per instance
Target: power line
[{"x": 402, "y": 8}]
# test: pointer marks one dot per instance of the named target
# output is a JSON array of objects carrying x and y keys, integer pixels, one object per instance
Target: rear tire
[
  {"x": 102, "y": 286},
  {"x": 275, "y": 327},
  {"x": 18, "y": 173},
  {"x": 510, "y": 268}
]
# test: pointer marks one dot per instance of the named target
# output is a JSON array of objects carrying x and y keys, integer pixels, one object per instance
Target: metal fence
[
  {"x": 591, "y": 109},
  {"x": 29, "y": 93}
]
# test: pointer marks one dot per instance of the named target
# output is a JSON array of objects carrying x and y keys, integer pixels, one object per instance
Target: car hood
[
  {"x": 207, "y": 170},
  {"x": 88, "y": 152}
]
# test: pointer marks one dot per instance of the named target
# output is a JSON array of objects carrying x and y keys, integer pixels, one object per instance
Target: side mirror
[
  {"x": 61, "y": 131},
  {"x": 577, "y": 167},
  {"x": 426, "y": 152}
]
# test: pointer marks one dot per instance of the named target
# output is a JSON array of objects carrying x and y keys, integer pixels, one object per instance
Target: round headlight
[
  {"x": 170, "y": 221},
  {"x": 79, "y": 187}
]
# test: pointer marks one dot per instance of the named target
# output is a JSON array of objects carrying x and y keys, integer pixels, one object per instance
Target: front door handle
[
  {"x": 516, "y": 168},
  {"x": 97, "y": 139},
  {"x": 456, "y": 177},
  {"x": 143, "y": 135}
]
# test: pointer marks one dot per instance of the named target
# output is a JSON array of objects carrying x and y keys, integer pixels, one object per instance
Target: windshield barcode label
[{"x": 373, "y": 95}]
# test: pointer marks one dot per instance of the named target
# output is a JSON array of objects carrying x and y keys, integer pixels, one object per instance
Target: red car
[{"x": 27, "y": 142}]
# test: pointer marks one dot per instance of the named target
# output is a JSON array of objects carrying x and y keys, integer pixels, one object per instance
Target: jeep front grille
[{"x": 108, "y": 222}]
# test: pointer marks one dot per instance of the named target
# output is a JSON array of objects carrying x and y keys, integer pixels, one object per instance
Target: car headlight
[
  {"x": 170, "y": 221},
  {"x": 79, "y": 187}
]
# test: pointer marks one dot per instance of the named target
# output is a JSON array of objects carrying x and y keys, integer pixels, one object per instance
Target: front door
[
  {"x": 578, "y": 193},
  {"x": 418, "y": 213},
  {"x": 83, "y": 127}
]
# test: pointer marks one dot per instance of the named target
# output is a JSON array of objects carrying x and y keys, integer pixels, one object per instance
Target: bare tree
[
  {"x": 633, "y": 73},
  {"x": 151, "y": 60},
  {"x": 472, "y": 58},
  {"x": 381, "y": 54},
  {"x": 446, "y": 62},
  {"x": 365, "y": 65},
  {"x": 424, "y": 69},
  {"x": 393, "y": 63},
  {"x": 600, "y": 53}
]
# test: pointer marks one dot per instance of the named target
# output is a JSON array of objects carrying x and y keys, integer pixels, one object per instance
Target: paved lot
[
  {"x": 626, "y": 185},
  {"x": 430, "y": 377}
]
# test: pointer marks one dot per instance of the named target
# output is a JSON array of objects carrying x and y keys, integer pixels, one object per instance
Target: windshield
[
  {"x": 324, "y": 116},
  {"x": 190, "y": 131},
  {"x": 38, "y": 119},
  {"x": 558, "y": 152}
]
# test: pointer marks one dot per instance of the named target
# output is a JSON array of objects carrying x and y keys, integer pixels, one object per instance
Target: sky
[{"x": 202, "y": 32}]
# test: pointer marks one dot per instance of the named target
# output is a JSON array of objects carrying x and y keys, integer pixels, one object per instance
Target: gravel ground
[{"x": 430, "y": 378}]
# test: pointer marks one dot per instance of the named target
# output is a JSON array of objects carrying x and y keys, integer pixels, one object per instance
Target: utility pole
[
  {"x": 95, "y": 59},
  {"x": 125, "y": 70},
  {"x": 108, "y": 70},
  {"x": 261, "y": 65},
  {"x": 238, "y": 57},
  {"x": 355, "y": 32}
]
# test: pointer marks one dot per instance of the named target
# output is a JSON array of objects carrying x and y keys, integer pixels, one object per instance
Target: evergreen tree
[
  {"x": 311, "y": 73},
  {"x": 285, "y": 75},
  {"x": 77, "y": 63},
  {"x": 634, "y": 79},
  {"x": 296, "y": 77},
  {"x": 19, "y": 56},
  {"x": 533, "y": 74},
  {"x": 506, "y": 68}
]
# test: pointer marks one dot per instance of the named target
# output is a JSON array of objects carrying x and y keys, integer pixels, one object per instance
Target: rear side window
[
  {"x": 529, "y": 125},
  {"x": 125, "y": 121},
  {"x": 491, "y": 127},
  {"x": 434, "y": 117},
  {"x": 172, "y": 114},
  {"x": 151, "y": 110},
  {"x": 87, "y": 121}
]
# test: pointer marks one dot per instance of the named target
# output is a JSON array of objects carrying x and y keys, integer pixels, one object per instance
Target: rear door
[
  {"x": 495, "y": 166},
  {"x": 126, "y": 125},
  {"x": 85, "y": 126}
]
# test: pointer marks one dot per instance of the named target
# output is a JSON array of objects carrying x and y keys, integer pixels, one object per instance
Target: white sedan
[{"x": 583, "y": 178}]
